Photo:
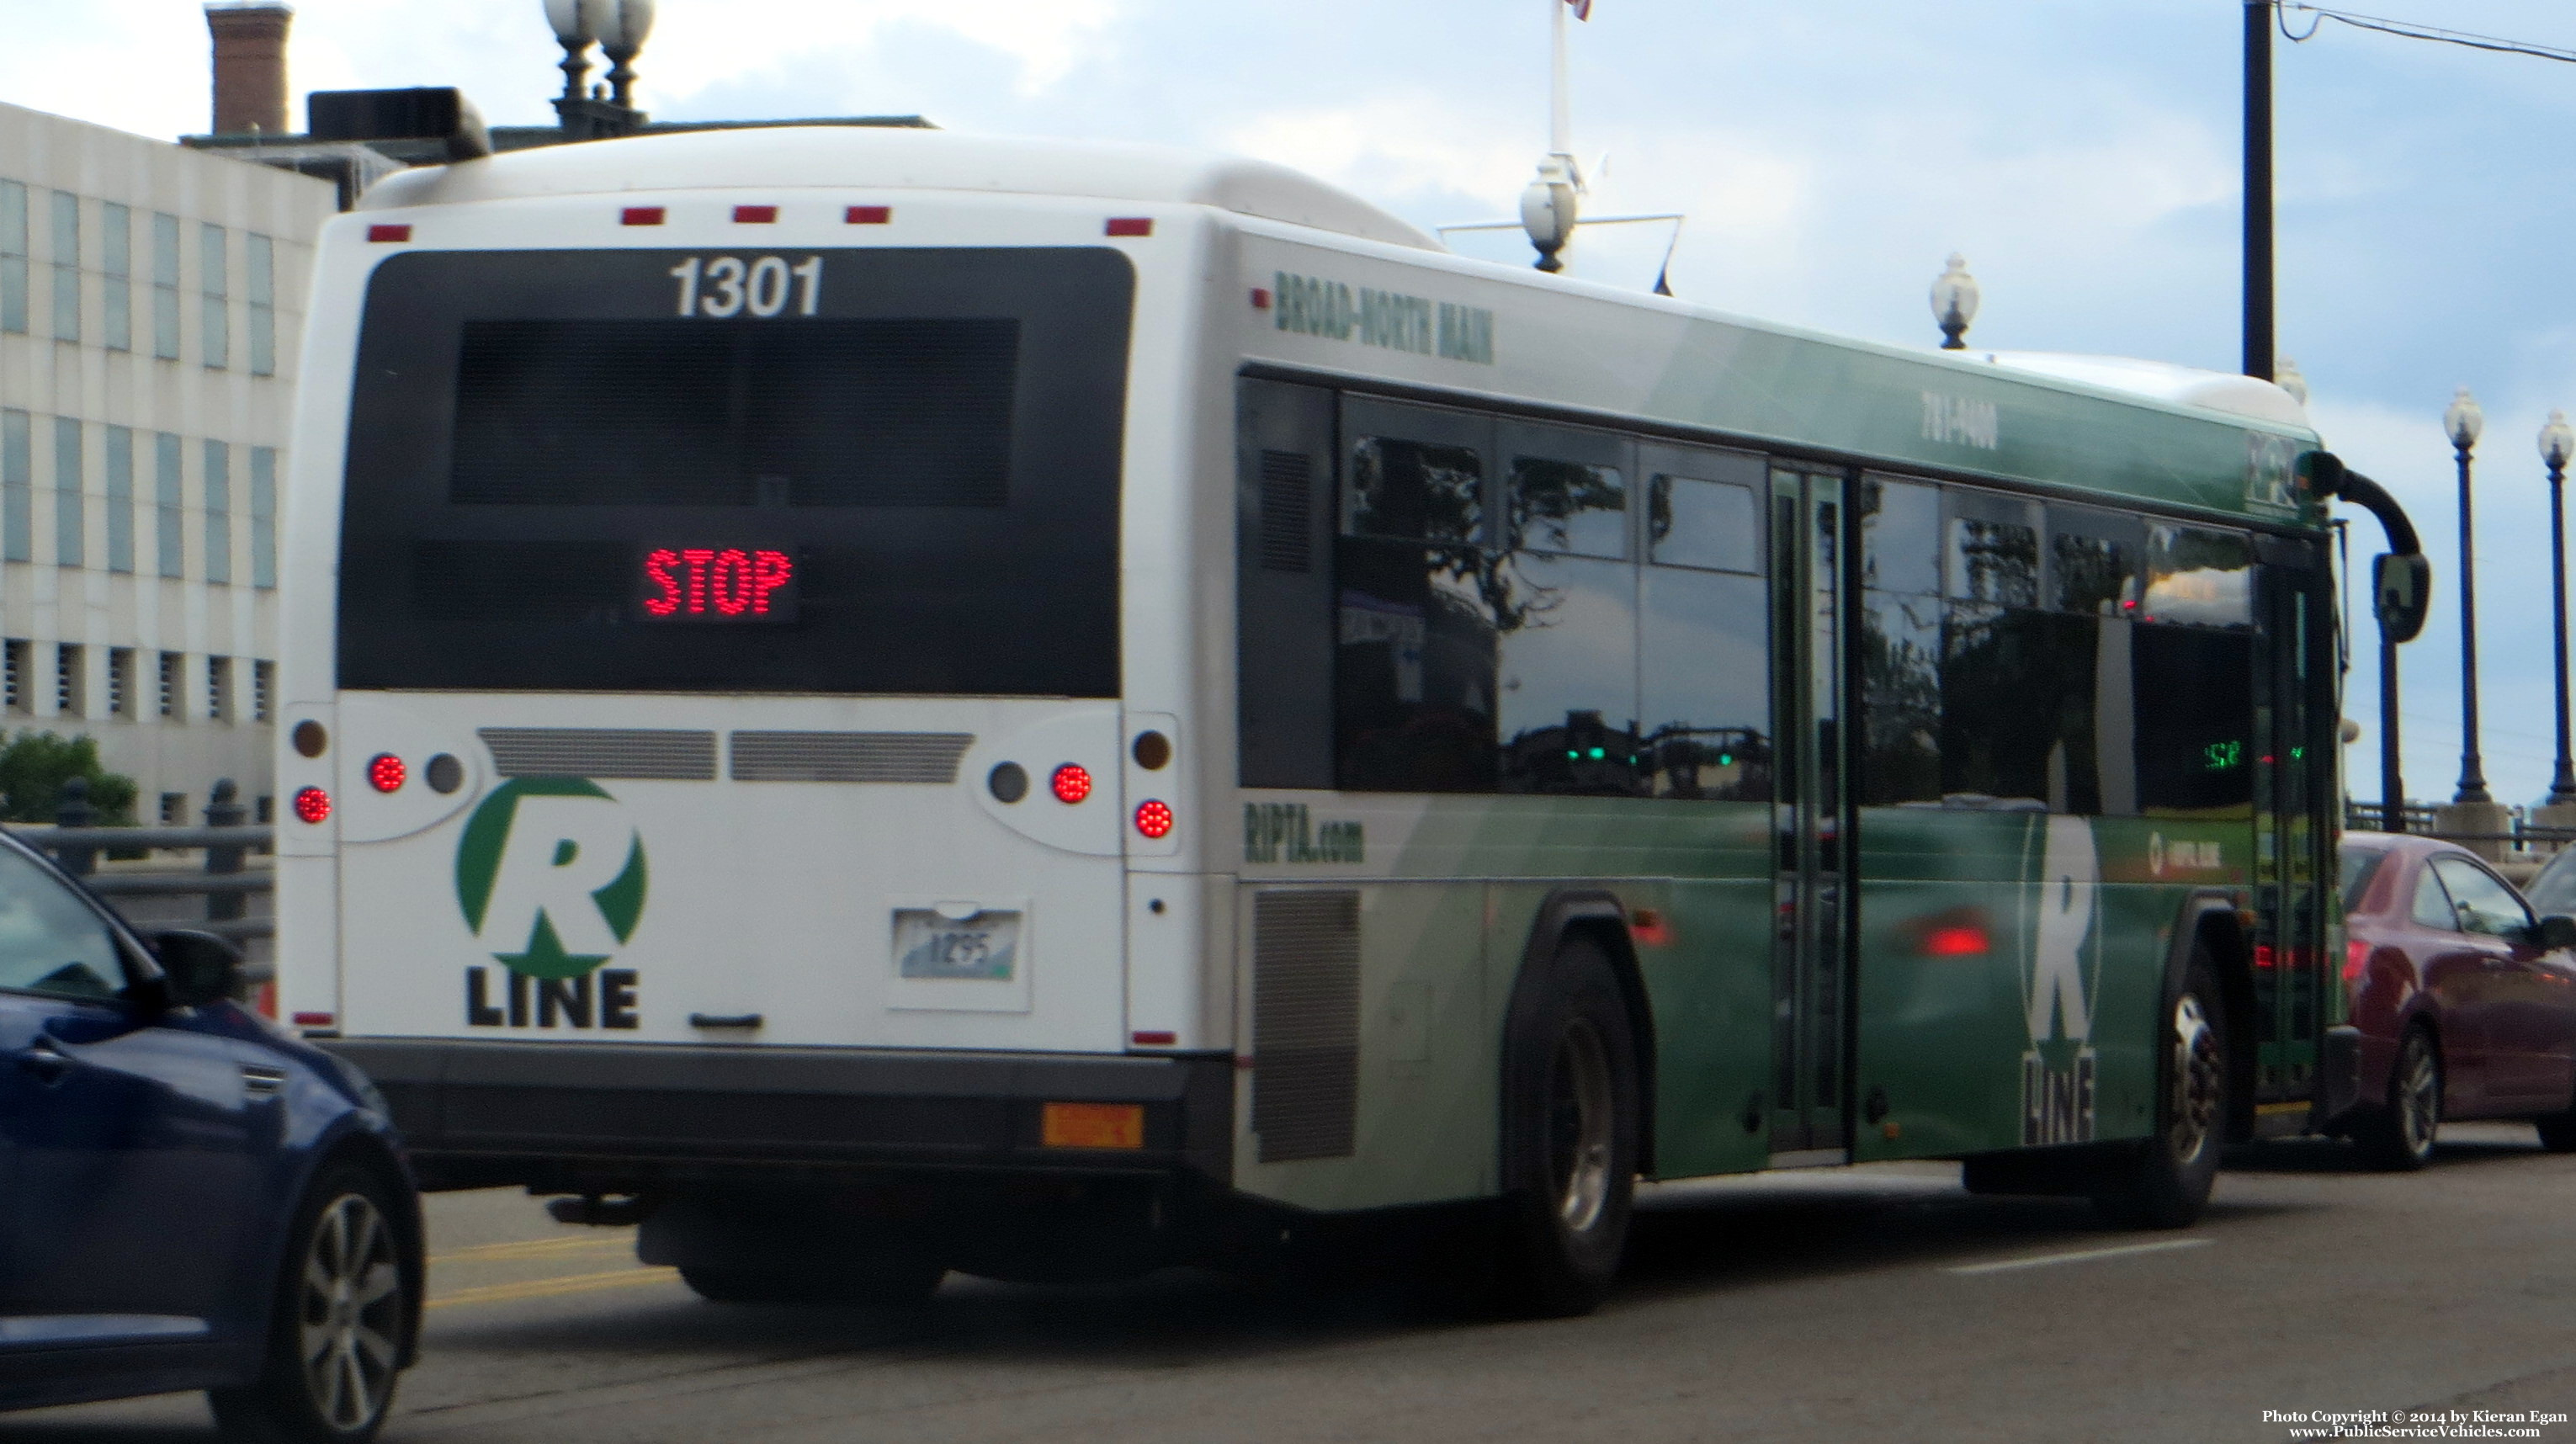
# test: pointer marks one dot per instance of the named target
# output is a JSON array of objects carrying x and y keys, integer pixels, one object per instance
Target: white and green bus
[{"x": 884, "y": 701}]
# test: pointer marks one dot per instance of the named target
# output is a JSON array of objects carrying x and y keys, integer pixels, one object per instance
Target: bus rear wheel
[
  {"x": 2165, "y": 1182},
  {"x": 1570, "y": 1125}
]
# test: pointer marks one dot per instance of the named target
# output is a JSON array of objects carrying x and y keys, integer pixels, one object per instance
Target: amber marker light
[{"x": 1093, "y": 1125}]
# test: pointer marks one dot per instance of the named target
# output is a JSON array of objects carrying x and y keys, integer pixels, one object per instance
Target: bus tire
[
  {"x": 1569, "y": 1136},
  {"x": 891, "y": 1284},
  {"x": 2165, "y": 1181},
  {"x": 2398, "y": 1134}
]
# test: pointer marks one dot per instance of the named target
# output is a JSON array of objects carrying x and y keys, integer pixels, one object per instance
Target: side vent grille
[
  {"x": 1287, "y": 511},
  {"x": 848, "y": 756},
  {"x": 1305, "y": 1023},
  {"x": 666, "y": 755}
]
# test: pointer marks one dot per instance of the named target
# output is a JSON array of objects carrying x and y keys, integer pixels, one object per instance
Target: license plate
[{"x": 981, "y": 948}]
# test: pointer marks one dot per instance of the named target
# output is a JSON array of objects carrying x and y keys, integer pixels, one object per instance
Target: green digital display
[{"x": 2224, "y": 756}]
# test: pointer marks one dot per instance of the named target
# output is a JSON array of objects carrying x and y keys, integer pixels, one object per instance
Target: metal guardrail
[
  {"x": 75, "y": 841},
  {"x": 2421, "y": 820}
]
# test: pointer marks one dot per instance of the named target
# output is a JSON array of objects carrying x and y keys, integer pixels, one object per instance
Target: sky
[{"x": 1829, "y": 153}]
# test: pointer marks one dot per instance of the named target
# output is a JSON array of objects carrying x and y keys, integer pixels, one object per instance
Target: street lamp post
[
  {"x": 2462, "y": 422},
  {"x": 1954, "y": 303},
  {"x": 2557, "y": 443}
]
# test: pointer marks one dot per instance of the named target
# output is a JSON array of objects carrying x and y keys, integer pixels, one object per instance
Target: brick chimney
[{"x": 250, "y": 65}]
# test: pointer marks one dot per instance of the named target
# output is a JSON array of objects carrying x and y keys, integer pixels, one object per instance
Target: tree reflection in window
[
  {"x": 1415, "y": 491},
  {"x": 1572, "y": 507},
  {"x": 1996, "y": 562},
  {"x": 2094, "y": 575}
]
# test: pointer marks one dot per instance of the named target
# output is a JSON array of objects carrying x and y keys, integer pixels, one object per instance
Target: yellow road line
[
  {"x": 536, "y": 1248},
  {"x": 550, "y": 1288}
]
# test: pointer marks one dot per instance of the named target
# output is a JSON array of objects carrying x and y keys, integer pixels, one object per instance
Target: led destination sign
[{"x": 718, "y": 584}]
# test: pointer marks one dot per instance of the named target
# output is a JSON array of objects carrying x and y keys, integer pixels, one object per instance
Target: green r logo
[{"x": 550, "y": 875}]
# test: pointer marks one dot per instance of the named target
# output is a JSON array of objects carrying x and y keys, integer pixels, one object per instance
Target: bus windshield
[{"x": 878, "y": 471}]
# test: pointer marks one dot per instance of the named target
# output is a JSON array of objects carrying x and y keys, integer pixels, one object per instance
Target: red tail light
[
  {"x": 2263, "y": 957},
  {"x": 385, "y": 772},
  {"x": 1154, "y": 819},
  {"x": 1072, "y": 782},
  {"x": 2356, "y": 959},
  {"x": 313, "y": 804},
  {"x": 1959, "y": 940}
]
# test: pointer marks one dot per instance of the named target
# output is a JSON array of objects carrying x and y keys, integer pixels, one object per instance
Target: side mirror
[
  {"x": 2401, "y": 590},
  {"x": 201, "y": 967},
  {"x": 2555, "y": 931}
]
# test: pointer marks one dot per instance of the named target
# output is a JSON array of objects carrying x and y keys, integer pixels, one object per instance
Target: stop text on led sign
[{"x": 718, "y": 584}]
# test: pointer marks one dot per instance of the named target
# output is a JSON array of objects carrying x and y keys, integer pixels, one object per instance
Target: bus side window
[
  {"x": 1284, "y": 580},
  {"x": 2195, "y": 720},
  {"x": 1900, "y": 642},
  {"x": 1415, "y": 612},
  {"x": 1704, "y": 627},
  {"x": 2199, "y": 576},
  {"x": 1564, "y": 602}
]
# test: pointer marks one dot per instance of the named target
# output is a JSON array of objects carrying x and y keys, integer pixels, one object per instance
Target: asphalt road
[{"x": 1872, "y": 1304}]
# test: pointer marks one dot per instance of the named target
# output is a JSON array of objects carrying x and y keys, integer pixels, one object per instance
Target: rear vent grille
[
  {"x": 848, "y": 756},
  {"x": 602, "y": 752},
  {"x": 1305, "y": 1023},
  {"x": 1287, "y": 512}
]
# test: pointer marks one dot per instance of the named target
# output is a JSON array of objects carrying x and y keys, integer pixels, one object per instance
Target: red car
[{"x": 2465, "y": 998}]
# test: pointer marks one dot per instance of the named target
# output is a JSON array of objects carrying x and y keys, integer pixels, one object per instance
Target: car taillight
[
  {"x": 2356, "y": 958},
  {"x": 1072, "y": 782},
  {"x": 313, "y": 804},
  {"x": 385, "y": 772},
  {"x": 1154, "y": 819}
]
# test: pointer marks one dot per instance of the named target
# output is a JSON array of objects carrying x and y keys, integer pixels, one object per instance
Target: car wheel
[
  {"x": 2165, "y": 1182},
  {"x": 892, "y": 1283},
  {"x": 336, "y": 1331},
  {"x": 1570, "y": 1120},
  {"x": 2399, "y": 1134}
]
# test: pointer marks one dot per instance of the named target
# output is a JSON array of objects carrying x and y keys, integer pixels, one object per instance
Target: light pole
[
  {"x": 1954, "y": 303},
  {"x": 2462, "y": 422},
  {"x": 2557, "y": 443}
]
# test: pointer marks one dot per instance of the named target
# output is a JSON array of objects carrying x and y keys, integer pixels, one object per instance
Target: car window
[
  {"x": 2432, "y": 905},
  {"x": 51, "y": 941},
  {"x": 2486, "y": 905},
  {"x": 2554, "y": 891},
  {"x": 2360, "y": 865}
]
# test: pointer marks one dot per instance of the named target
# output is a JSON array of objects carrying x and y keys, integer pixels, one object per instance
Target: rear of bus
[{"x": 711, "y": 767}]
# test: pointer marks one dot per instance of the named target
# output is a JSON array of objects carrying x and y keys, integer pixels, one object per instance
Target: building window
[
  {"x": 70, "y": 518},
  {"x": 116, "y": 268},
  {"x": 120, "y": 682},
  {"x": 168, "y": 521},
  {"x": 216, "y": 336},
  {"x": 264, "y": 811},
  {"x": 169, "y": 680},
  {"x": 174, "y": 809},
  {"x": 263, "y": 680},
  {"x": 259, "y": 254},
  {"x": 263, "y": 516},
  {"x": 67, "y": 325},
  {"x": 70, "y": 699},
  {"x": 165, "y": 286},
  {"x": 13, "y": 257},
  {"x": 17, "y": 488},
  {"x": 219, "y": 689},
  {"x": 13, "y": 676},
  {"x": 120, "y": 499},
  {"x": 219, "y": 513}
]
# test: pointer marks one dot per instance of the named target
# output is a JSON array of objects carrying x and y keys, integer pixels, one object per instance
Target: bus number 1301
[{"x": 729, "y": 285}]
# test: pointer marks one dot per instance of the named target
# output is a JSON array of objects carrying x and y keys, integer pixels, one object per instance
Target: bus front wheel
[
  {"x": 1570, "y": 1123},
  {"x": 2165, "y": 1182}
]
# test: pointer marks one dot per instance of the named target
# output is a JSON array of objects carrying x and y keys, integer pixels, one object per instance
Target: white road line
[{"x": 2086, "y": 1255}]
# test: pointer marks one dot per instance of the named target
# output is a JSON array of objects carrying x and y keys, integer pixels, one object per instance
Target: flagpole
[{"x": 1560, "y": 123}]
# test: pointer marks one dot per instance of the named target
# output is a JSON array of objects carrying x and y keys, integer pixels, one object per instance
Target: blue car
[{"x": 188, "y": 1199}]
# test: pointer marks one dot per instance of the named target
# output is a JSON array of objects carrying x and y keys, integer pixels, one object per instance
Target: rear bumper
[
  {"x": 2340, "y": 1094},
  {"x": 594, "y": 1117}
]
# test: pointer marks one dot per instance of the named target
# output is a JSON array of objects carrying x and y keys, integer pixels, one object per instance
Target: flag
[{"x": 1582, "y": 8}]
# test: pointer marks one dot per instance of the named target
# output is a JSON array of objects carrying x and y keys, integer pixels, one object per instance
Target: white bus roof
[
  {"x": 2219, "y": 391},
  {"x": 901, "y": 159}
]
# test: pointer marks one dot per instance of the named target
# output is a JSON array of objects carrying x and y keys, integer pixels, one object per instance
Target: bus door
[
  {"x": 1809, "y": 1006},
  {"x": 2294, "y": 710}
]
